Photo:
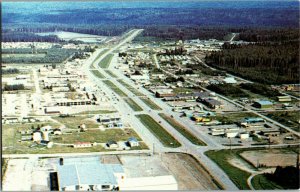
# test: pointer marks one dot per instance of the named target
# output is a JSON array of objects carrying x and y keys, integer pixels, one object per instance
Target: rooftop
[{"x": 88, "y": 171}]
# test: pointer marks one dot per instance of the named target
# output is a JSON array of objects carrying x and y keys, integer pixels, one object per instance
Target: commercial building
[
  {"x": 87, "y": 174},
  {"x": 263, "y": 104},
  {"x": 284, "y": 98}
]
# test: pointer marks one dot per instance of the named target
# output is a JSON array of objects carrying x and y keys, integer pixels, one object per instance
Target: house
[
  {"x": 263, "y": 104},
  {"x": 118, "y": 124},
  {"x": 112, "y": 144},
  {"x": 133, "y": 142},
  {"x": 270, "y": 132},
  {"x": 247, "y": 121},
  {"x": 82, "y": 144},
  {"x": 56, "y": 131},
  {"x": 244, "y": 135},
  {"x": 37, "y": 136},
  {"x": 89, "y": 174}
]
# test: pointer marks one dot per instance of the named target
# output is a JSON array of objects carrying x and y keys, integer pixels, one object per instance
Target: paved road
[{"x": 147, "y": 136}]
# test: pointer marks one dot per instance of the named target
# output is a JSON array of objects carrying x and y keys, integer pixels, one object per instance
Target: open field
[
  {"x": 180, "y": 128},
  {"x": 104, "y": 63},
  {"x": 98, "y": 74},
  {"x": 164, "y": 137},
  {"x": 21, "y": 55},
  {"x": 133, "y": 105},
  {"x": 288, "y": 118},
  {"x": 113, "y": 87},
  {"x": 150, "y": 103},
  {"x": 130, "y": 88},
  {"x": 271, "y": 157},
  {"x": 261, "y": 182},
  {"x": 97, "y": 136},
  {"x": 111, "y": 73},
  {"x": 238, "y": 168},
  {"x": 11, "y": 135},
  {"x": 238, "y": 176},
  {"x": 230, "y": 118},
  {"x": 94, "y": 112},
  {"x": 73, "y": 122},
  {"x": 188, "y": 172}
]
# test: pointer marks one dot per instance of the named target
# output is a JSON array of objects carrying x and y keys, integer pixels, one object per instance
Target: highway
[{"x": 127, "y": 113}]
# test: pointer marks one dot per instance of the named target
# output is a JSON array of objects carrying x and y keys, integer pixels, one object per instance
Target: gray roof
[{"x": 89, "y": 172}]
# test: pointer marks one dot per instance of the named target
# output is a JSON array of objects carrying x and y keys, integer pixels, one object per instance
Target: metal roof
[
  {"x": 265, "y": 102},
  {"x": 90, "y": 172}
]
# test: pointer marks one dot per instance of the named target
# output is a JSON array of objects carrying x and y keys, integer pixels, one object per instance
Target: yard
[
  {"x": 230, "y": 118},
  {"x": 150, "y": 103},
  {"x": 133, "y": 105},
  {"x": 180, "y": 128},
  {"x": 163, "y": 136},
  {"x": 97, "y": 136},
  {"x": 72, "y": 122}
]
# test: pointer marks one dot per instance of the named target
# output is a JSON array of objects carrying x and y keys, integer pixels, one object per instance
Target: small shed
[
  {"x": 133, "y": 142},
  {"x": 82, "y": 144},
  {"x": 112, "y": 144}
]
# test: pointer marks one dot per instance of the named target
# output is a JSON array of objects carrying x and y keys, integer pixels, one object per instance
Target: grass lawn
[
  {"x": 261, "y": 182},
  {"x": 180, "y": 128},
  {"x": 130, "y": 88},
  {"x": 238, "y": 176},
  {"x": 113, "y": 87},
  {"x": 95, "y": 112},
  {"x": 98, "y": 74},
  {"x": 150, "y": 103},
  {"x": 111, "y": 73},
  {"x": 100, "y": 54},
  {"x": 230, "y": 118},
  {"x": 104, "y": 63},
  {"x": 75, "y": 121},
  {"x": 164, "y": 137},
  {"x": 133, "y": 104},
  {"x": 97, "y": 136},
  {"x": 288, "y": 118}
]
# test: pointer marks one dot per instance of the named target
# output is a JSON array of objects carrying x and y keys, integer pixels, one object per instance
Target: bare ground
[{"x": 188, "y": 172}]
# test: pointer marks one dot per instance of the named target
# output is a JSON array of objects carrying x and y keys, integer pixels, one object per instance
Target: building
[
  {"x": 133, "y": 142},
  {"x": 248, "y": 121},
  {"x": 82, "y": 144},
  {"x": 88, "y": 174},
  {"x": 263, "y": 104},
  {"x": 284, "y": 98},
  {"x": 212, "y": 103},
  {"x": 112, "y": 144},
  {"x": 229, "y": 80}
]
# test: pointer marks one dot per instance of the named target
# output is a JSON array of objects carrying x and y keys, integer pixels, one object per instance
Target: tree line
[{"x": 267, "y": 62}]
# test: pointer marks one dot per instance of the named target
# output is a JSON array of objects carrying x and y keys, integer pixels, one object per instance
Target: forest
[{"x": 264, "y": 62}]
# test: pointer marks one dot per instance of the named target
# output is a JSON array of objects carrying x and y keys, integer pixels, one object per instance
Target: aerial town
[{"x": 115, "y": 113}]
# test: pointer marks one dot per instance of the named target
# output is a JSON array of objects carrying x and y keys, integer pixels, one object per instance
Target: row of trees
[
  {"x": 10, "y": 71},
  {"x": 53, "y": 55},
  {"x": 227, "y": 90},
  {"x": 13, "y": 87},
  {"x": 272, "y": 63},
  {"x": 260, "y": 89}
]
